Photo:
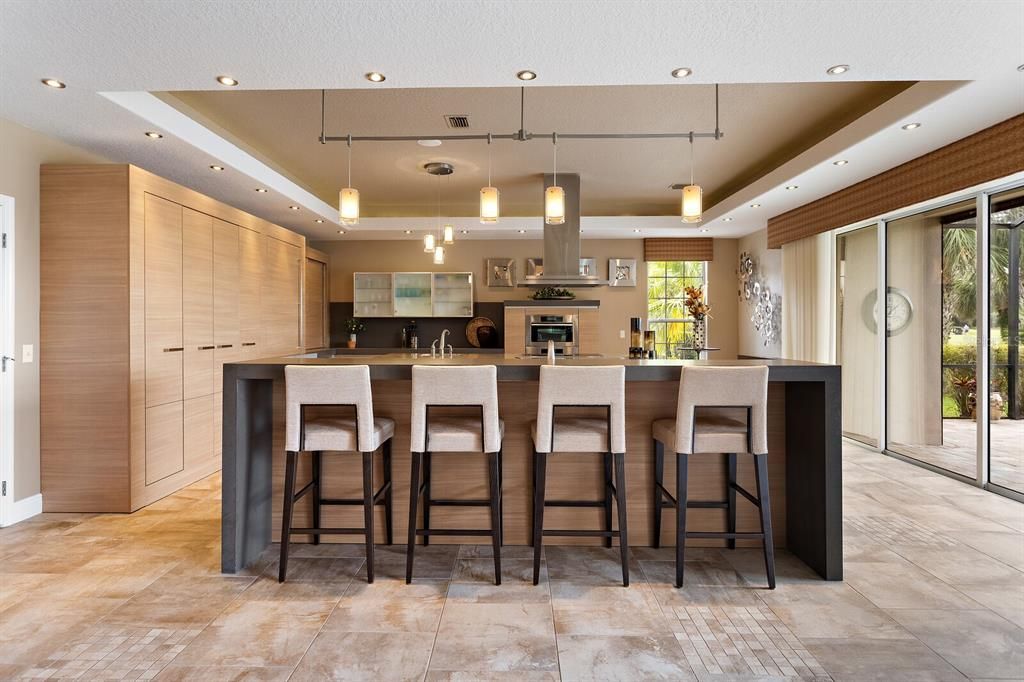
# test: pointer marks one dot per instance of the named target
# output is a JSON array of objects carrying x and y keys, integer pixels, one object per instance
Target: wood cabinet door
[
  {"x": 282, "y": 298},
  {"x": 197, "y": 303},
  {"x": 251, "y": 252},
  {"x": 163, "y": 278},
  {"x": 199, "y": 425},
  {"x": 314, "y": 308},
  {"x": 164, "y": 441},
  {"x": 226, "y": 333}
]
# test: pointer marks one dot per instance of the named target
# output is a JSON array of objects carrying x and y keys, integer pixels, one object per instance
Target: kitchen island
[{"x": 804, "y": 445}]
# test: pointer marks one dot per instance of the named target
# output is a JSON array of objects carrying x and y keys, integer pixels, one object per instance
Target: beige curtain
[{"x": 808, "y": 293}]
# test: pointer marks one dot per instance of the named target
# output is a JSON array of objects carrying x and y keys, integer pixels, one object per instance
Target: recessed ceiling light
[
  {"x": 840, "y": 162},
  {"x": 464, "y": 231},
  {"x": 294, "y": 208},
  {"x": 261, "y": 190},
  {"x": 153, "y": 135},
  {"x": 53, "y": 83},
  {"x": 429, "y": 143},
  {"x": 911, "y": 126},
  {"x": 837, "y": 69},
  {"x": 755, "y": 206},
  {"x": 227, "y": 81},
  {"x": 408, "y": 231},
  {"x": 791, "y": 187},
  {"x": 375, "y": 77},
  {"x": 522, "y": 231},
  {"x": 341, "y": 232},
  {"x": 215, "y": 167},
  {"x": 636, "y": 230},
  {"x": 319, "y": 221},
  {"x": 703, "y": 229},
  {"x": 726, "y": 220},
  {"x": 526, "y": 75},
  {"x": 681, "y": 72}
]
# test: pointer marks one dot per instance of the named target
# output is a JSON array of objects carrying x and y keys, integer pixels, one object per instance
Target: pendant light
[
  {"x": 449, "y": 230},
  {"x": 489, "y": 203},
  {"x": 428, "y": 243},
  {"x": 692, "y": 194},
  {"x": 554, "y": 196},
  {"x": 438, "y": 249},
  {"x": 348, "y": 198}
]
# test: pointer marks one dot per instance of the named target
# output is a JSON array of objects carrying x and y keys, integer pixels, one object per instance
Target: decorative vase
[
  {"x": 351, "y": 340},
  {"x": 700, "y": 334}
]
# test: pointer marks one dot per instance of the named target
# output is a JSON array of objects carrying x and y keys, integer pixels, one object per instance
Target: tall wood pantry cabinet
[{"x": 147, "y": 289}]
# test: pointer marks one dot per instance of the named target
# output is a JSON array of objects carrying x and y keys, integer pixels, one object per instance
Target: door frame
[{"x": 7, "y": 349}]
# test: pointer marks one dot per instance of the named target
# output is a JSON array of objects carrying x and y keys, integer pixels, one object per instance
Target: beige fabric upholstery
[
  {"x": 457, "y": 434},
  {"x": 577, "y": 434},
  {"x": 455, "y": 386},
  {"x": 581, "y": 386},
  {"x": 720, "y": 430},
  {"x": 339, "y": 433},
  {"x": 311, "y": 385}
]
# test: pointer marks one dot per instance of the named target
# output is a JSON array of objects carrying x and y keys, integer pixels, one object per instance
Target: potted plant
[
  {"x": 354, "y": 326},
  {"x": 699, "y": 310}
]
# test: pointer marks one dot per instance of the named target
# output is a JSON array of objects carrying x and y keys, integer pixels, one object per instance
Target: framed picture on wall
[
  {"x": 622, "y": 272},
  {"x": 501, "y": 272}
]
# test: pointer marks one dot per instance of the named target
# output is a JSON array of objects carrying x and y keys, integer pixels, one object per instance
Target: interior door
[
  {"x": 251, "y": 253},
  {"x": 225, "y": 298},
  {"x": 163, "y": 266},
  {"x": 281, "y": 294},
  {"x": 197, "y": 303}
]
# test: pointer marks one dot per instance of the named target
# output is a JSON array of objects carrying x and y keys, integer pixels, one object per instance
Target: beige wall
[
  {"x": 23, "y": 151},
  {"x": 618, "y": 304}
]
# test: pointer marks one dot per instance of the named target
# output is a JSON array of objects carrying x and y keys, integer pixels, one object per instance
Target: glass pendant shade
[
  {"x": 439, "y": 255},
  {"x": 489, "y": 207},
  {"x": 554, "y": 205},
  {"x": 348, "y": 206},
  {"x": 428, "y": 243},
  {"x": 449, "y": 234},
  {"x": 692, "y": 204}
]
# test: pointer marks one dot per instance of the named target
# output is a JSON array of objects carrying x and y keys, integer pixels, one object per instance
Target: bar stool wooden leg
[
  {"x": 730, "y": 489},
  {"x": 494, "y": 480},
  {"x": 540, "y": 460},
  {"x": 286, "y": 515},
  {"x": 368, "y": 512},
  {"x": 414, "y": 490},
  {"x": 761, "y": 472},
  {"x": 681, "y": 475},
  {"x": 659, "y": 480},
  {"x": 608, "y": 497},
  {"x": 620, "y": 494},
  {"x": 501, "y": 500},
  {"x": 387, "y": 493},
  {"x": 317, "y": 468},
  {"x": 426, "y": 496}
]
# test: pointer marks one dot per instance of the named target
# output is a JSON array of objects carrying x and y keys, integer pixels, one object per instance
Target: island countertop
[{"x": 804, "y": 447}]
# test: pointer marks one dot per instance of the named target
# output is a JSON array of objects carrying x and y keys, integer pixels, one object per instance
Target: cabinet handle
[
  {"x": 173, "y": 350},
  {"x": 225, "y": 345},
  {"x": 248, "y": 343},
  {"x": 206, "y": 347}
]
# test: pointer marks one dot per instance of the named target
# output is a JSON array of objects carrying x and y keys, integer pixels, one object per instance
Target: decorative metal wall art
[
  {"x": 766, "y": 307},
  {"x": 501, "y": 272},
  {"x": 622, "y": 272}
]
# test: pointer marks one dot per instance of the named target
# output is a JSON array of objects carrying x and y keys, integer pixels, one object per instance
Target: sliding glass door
[{"x": 1006, "y": 382}]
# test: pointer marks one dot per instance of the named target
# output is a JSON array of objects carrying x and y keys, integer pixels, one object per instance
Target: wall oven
[{"x": 560, "y": 329}]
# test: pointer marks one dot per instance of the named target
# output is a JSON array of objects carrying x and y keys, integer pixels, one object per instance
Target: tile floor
[{"x": 934, "y": 590}]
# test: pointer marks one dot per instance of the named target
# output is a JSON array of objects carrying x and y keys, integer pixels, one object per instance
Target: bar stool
[
  {"x": 568, "y": 387},
  {"x": 454, "y": 387},
  {"x": 322, "y": 387},
  {"x": 689, "y": 433}
]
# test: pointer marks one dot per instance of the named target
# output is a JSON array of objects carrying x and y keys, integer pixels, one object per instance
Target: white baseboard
[{"x": 25, "y": 509}]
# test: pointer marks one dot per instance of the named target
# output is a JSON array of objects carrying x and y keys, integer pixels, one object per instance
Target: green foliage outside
[{"x": 666, "y": 303}]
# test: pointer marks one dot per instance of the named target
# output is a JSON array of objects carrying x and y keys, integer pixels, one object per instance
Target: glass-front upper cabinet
[
  {"x": 413, "y": 294},
  {"x": 453, "y": 294},
  {"x": 371, "y": 294}
]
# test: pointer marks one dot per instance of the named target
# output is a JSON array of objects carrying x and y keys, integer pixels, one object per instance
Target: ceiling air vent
[{"x": 457, "y": 120}]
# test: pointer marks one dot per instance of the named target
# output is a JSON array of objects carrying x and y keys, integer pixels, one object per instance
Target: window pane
[
  {"x": 676, "y": 288},
  {"x": 693, "y": 268},
  {"x": 674, "y": 268},
  {"x": 656, "y": 309},
  {"x": 656, "y": 269}
]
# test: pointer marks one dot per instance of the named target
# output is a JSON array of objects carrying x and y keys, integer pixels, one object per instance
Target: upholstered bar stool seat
[
  {"x": 472, "y": 390},
  {"x": 719, "y": 410},
  {"x": 339, "y": 433},
  {"x": 458, "y": 434},
  {"x": 326, "y": 390},
  {"x": 581, "y": 388}
]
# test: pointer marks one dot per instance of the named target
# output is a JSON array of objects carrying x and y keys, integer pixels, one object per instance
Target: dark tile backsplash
[{"x": 384, "y": 332}]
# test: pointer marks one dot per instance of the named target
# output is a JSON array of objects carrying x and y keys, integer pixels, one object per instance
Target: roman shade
[{"x": 685, "y": 248}]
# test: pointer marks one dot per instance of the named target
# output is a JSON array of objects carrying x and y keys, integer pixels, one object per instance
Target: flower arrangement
[
  {"x": 695, "y": 304},
  {"x": 355, "y": 326}
]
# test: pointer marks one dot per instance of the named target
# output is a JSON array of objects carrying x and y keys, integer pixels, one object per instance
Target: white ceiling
[{"x": 107, "y": 46}]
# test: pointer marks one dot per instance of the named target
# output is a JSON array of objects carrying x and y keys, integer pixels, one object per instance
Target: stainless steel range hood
[{"x": 562, "y": 242}]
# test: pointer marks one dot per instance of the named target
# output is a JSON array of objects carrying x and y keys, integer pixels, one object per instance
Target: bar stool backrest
[
  {"x": 467, "y": 386},
  {"x": 582, "y": 386},
  {"x": 322, "y": 385},
  {"x": 745, "y": 387}
]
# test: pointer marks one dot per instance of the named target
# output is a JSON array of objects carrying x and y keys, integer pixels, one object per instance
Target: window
[{"x": 666, "y": 309}]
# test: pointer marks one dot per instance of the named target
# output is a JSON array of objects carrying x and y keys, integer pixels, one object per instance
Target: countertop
[{"x": 553, "y": 303}]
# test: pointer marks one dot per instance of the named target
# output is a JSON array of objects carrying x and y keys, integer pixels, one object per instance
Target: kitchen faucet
[{"x": 441, "y": 343}]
